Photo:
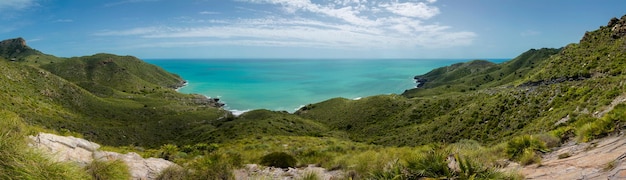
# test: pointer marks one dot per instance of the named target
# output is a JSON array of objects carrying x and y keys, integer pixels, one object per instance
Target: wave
[
  {"x": 184, "y": 84},
  {"x": 237, "y": 113}
]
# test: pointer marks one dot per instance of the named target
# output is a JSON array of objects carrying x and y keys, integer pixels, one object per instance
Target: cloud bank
[{"x": 333, "y": 24}]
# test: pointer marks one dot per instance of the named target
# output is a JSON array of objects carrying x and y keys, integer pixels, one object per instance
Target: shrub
[
  {"x": 529, "y": 157},
  {"x": 433, "y": 164},
  {"x": 549, "y": 140},
  {"x": 213, "y": 166},
  {"x": 168, "y": 151},
  {"x": 393, "y": 170},
  {"x": 173, "y": 173},
  {"x": 595, "y": 129},
  {"x": 105, "y": 170},
  {"x": 518, "y": 145},
  {"x": 278, "y": 159}
]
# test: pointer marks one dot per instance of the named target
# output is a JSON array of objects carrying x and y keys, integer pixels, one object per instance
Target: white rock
[{"x": 83, "y": 152}]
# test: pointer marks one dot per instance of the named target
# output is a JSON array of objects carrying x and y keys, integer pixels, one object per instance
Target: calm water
[{"x": 289, "y": 84}]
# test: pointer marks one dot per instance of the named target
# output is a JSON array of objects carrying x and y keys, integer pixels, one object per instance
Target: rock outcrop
[
  {"x": 83, "y": 152},
  {"x": 601, "y": 159},
  {"x": 11, "y": 48},
  {"x": 19, "y": 42},
  {"x": 618, "y": 27}
]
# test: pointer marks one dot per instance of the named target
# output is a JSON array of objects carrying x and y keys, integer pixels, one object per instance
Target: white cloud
[
  {"x": 208, "y": 13},
  {"x": 336, "y": 24},
  {"x": 129, "y": 32},
  {"x": 410, "y": 9},
  {"x": 16, "y": 4}
]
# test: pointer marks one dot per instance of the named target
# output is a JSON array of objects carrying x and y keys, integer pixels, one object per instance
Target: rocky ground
[
  {"x": 82, "y": 152},
  {"x": 600, "y": 159},
  {"x": 253, "y": 171}
]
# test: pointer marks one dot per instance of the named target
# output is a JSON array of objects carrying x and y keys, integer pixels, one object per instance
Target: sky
[{"x": 420, "y": 29}]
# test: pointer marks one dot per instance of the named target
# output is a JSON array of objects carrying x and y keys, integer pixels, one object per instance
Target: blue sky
[{"x": 302, "y": 28}]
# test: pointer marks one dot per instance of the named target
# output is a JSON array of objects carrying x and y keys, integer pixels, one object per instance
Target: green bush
[
  {"x": 168, "y": 151},
  {"x": 213, "y": 166},
  {"x": 432, "y": 164},
  {"x": 529, "y": 157},
  {"x": 105, "y": 170},
  {"x": 517, "y": 146},
  {"x": 278, "y": 159},
  {"x": 173, "y": 173},
  {"x": 394, "y": 170}
]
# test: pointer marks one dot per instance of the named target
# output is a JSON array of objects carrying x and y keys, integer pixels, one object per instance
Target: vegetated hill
[
  {"x": 94, "y": 102},
  {"x": 479, "y": 74},
  {"x": 103, "y": 74},
  {"x": 599, "y": 53},
  {"x": 537, "y": 92},
  {"x": 256, "y": 124}
]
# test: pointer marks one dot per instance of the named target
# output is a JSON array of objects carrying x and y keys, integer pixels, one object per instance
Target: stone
[
  {"x": 600, "y": 159},
  {"x": 83, "y": 152},
  {"x": 139, "y": 167},
  {"x": 65, "y": 148},
  {"x": 253, "y": 171}
]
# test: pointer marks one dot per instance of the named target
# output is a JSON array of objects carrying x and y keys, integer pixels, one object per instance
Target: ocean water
[{"x": 284, "y": 84}]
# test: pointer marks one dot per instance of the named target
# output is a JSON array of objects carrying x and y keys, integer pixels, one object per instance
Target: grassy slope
[
  {"x": 479, "y": 74},
  {"x": 497, "y": 106},
  {"x": 102, "y": 74},
  {"x": 97, "y": 105}
]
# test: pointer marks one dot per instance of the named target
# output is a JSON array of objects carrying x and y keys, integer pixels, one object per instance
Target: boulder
[
  {"x": 618, "y": 27},
  {"x": 66, "y": 148},
  {"x": 83, "y": 152},
  {"x": 139, "y": 167}
]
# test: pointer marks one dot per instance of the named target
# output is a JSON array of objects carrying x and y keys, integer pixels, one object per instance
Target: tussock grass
[
  {"x": 18, "y": 161},
  {"x": 108, "y": 170}
]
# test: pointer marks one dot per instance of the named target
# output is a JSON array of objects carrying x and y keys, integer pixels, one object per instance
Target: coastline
[
  {"x": 185, "y": 83},
  {"x": 221, "y": 105},
  {"x": 287, "y": 85}
]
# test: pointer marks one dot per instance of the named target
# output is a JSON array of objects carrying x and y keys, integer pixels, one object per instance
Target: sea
[{"x": 289, "y": 84}]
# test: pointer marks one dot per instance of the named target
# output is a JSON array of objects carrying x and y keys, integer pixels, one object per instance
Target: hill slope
[
  {"x": 537, "y": 92},
  {"x": 123, "y": 101}
]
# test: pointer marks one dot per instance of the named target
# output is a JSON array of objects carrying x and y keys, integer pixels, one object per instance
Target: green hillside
[
  {"x": 103, "y": 74},
  {"x": 489, "y": 102},
  {"x": 480, "y": 74},
  {"x": 123, "y": 101}
]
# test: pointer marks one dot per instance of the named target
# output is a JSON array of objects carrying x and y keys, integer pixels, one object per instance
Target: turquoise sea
[{"x": 288, "y": 84}]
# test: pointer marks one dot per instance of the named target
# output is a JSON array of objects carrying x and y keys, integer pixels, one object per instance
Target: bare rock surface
[
  {"x": 66, "y": 148},
  {"x": 82, "y": 152},
  {"x": 253, "y": 171},
  {"x": 600, "y": 159}
]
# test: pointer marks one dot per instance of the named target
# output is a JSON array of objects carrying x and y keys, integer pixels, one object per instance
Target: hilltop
[{"x": 479, "y": 115}]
